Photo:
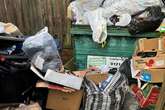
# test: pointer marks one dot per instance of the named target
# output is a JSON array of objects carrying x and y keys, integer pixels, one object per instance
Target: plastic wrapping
[
  {"x": 48, "y": 59},
  {"x": 89, "y": 5},
  {"x": 150, "y": 22},
  {"x": 109, "y": 3},
  {"x": 42, "y": 50},
  {"x": 97, "y": 13},
  {"x": 111, "y": 7},
  {"x": 79, "y": 7},
  {"x": 77, "y": 12},
  {"x": 98, "y": 25},
  {"x": 38, "y": 42},
  {"x": 128, "y": 6}
]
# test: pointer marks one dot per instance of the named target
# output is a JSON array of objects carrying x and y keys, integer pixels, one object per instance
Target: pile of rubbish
[
  {"x": 139, "y": 16},
  {"x": 24, "y": 79},
  {"x": 33, "y": 77}
]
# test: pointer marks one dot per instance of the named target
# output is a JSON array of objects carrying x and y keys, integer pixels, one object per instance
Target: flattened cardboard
[
  {"x": 58, "y": 100},
  {"x": 60, "y": 78},
  {"x": 64, "y": 79}
]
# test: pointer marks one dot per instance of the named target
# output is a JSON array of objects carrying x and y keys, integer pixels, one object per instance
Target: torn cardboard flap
[{"x": 59, "y": 78}]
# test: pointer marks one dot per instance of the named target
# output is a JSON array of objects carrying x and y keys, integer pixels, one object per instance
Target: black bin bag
[
  {"x": 16, "y": 80},
  {"x": 125, "y": 69},
  {"x": 147, "y": 20}
]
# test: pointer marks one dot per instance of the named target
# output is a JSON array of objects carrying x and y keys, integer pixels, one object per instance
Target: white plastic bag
[
  {"x": 98, "y": 25},
  {"x": 128, "y": 6},
  {"x": 89, "y": 5},
  {"x": 77, "y": 12},
  {"x": 109, "y": 3},
  {"x": 79, "y": 7}
]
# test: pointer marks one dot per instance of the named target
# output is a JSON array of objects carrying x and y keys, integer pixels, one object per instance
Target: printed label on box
[
  {"x": 96, "y": 61},
  {"x": 112, "y": 62}
]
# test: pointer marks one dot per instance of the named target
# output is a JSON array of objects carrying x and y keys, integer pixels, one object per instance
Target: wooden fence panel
[{"x": 32, "y": 15}]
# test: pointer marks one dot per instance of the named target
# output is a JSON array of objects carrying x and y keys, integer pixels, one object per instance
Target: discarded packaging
[
  {"x": 42, "y": 50},
  {"x": 58, "y": 100},
  {"x": 147, "y": 96},
  {"x": 10, "y": 29},
  {"x": 152, "y": 75},
  {"x": 155, "y": 44},
  {"x": 60, "y": 78},
  {"x": 149, "y": 60}
]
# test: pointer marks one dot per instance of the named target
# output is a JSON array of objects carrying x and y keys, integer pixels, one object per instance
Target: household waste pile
[
  {"x": 37, "y": 65},
  {"x": 102, "y": 13},
  {"x": 32, "y": 63}
]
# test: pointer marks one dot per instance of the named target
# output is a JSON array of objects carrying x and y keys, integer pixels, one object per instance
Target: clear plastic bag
[
  {"x": 42, "y": 50},
  {"x": 38, "y": 42},
  {"x": 47, "y": 59}
]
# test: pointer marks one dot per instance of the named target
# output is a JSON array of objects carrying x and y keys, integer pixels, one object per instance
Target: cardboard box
[
  {"x": 58, "y": 100},
  {"x": 156, "y": 44},
  {"x": 153, "y": 75},
  {"x": 148, "y": 44},
  {"x": 60, "y": 78},
  {"x": 147, "y": 96},
  {"x": 97, "y": 77},
  {"x": 157, "y": 61}
]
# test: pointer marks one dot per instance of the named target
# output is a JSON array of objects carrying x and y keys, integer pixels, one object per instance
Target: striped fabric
[{"x": 111, "y": 98}]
